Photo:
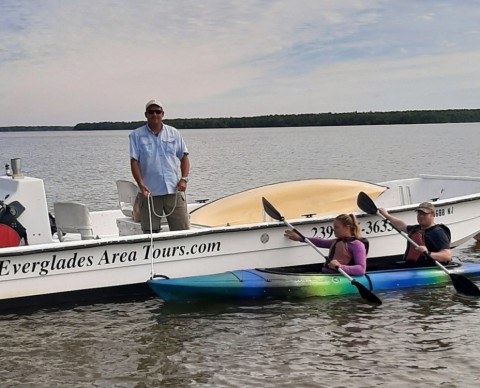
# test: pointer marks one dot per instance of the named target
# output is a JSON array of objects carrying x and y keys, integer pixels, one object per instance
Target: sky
[{"x": 64, "y": 62}]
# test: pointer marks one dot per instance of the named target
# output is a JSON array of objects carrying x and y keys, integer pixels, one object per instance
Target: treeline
[
  {"x": 293, "y": 120},
  {"x": 307, "y": 120}
]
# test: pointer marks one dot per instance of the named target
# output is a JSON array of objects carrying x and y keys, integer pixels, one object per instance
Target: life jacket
[
  {"x": 418, "y": 235},
  {"x": 342, "y": 255}
]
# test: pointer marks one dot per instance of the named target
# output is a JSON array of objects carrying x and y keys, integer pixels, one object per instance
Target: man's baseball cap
[
  {"x": 153, "y": 102},
  {"x": 426, "y": 207}
]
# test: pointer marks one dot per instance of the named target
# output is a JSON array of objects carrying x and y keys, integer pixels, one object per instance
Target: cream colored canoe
[{"x": 294, "y": 199}]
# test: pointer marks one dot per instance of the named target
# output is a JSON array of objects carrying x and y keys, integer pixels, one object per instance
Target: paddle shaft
[{"x": 317, "y": 249}]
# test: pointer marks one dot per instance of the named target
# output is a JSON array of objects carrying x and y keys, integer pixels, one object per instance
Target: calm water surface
[{"x": 419, "y": 337}]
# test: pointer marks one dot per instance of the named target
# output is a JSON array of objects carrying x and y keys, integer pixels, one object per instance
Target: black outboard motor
[
  {"x": 11, "y": 230},
  {"x": 53, "y": 224}
]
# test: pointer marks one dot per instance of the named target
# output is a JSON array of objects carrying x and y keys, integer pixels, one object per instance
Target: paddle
[
  {"x": 462, "y": 284},
  {"x": 364, "y": 292}
]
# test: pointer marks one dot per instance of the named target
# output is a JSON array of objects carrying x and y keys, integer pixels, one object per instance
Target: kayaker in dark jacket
[
  {"x": 433, "y": 239},
  {"x": 347, "y": 251}
]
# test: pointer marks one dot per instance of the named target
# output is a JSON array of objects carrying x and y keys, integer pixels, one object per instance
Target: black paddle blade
[
  {"x": 271, "y": 211},
  {"x": 464, "y": 285},
  {"x": 366, "y": 204},
  {"x": 366, "y": 294}
]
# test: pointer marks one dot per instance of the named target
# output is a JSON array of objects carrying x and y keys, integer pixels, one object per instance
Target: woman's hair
[{"x": 350, "y": 221}]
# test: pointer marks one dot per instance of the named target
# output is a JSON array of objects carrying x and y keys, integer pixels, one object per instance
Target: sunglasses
[{"x": 151, "y": 112}]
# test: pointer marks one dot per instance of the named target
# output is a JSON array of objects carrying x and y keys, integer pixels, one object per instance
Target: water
[{"x": 420, "y": 337}]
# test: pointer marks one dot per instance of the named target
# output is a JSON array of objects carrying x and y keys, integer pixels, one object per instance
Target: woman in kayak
[{"x": 348, "y": 250}]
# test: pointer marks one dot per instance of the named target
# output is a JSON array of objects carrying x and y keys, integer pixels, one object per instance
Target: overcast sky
[{"x": 63, "y": 62}]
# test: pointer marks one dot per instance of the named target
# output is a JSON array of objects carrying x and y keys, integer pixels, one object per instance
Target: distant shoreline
[
  {"x": 36, "y": 128},
  {"x": 292, "y": 120}
]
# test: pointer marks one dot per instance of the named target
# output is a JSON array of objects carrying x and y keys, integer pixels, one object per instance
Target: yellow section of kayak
[{"x": 294, "y": 199}]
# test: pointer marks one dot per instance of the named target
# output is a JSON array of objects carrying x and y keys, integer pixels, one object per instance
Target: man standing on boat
[
  {"x": 433, "y": 239},
  {"x": 160, "y": 166}
]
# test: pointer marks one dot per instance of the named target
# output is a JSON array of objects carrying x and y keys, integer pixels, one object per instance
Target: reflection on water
[
  {"x": 469, "y": 251},
  {"x": 421, "y": 337}
]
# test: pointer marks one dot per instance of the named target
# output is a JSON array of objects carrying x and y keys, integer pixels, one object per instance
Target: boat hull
[
  {"x": 114, "y": 259},
  {"x": 259, "y": 284}
]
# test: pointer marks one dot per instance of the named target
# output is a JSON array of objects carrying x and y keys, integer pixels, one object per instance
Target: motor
[{"x": 11, "y": 230}]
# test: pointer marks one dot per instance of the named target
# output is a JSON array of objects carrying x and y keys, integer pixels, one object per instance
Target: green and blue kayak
[{"x": 299, "y": 282}]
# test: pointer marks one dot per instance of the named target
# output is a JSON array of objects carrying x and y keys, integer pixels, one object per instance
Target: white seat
[
  {"x": 127, "y": 193},
  {"x": 73, "y": 217},
  {"x": 127, "y": 227}
]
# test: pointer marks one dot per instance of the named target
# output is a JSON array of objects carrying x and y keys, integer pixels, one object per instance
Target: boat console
[{"x": 29, "y": 193}]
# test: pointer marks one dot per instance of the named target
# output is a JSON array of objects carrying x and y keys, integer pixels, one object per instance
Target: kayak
[{"x": 300, "y": 282}]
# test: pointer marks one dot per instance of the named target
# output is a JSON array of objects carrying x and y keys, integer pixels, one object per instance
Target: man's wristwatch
[{"x": 184, "y": 178}]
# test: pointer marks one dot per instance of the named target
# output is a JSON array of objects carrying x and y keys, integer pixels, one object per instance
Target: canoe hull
[{"x": 259, "y": 284}]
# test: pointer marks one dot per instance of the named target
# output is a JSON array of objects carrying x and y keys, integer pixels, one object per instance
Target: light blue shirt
[{"x": 158, "y": 157}]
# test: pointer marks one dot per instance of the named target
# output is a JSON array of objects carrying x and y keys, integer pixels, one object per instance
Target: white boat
[{"x": 104, "y": 253}]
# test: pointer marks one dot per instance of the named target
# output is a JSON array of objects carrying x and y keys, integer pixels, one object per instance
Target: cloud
[{"x": 88, "y": 61}]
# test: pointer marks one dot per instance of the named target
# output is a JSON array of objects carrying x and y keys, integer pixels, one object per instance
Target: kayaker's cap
[
  {"x": 426, "y": 207},
  {"x": 153, "y": 102}
]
